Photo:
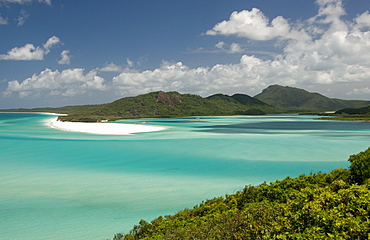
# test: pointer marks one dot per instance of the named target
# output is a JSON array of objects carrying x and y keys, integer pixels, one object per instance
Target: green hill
[
  {"x": 162, "y": 104},
  {"x": 335, "y": 205},
  {"x": 274, "y": 99},
  {"x": 295, "y": 99},
  {"x": 171, "y": 104}
]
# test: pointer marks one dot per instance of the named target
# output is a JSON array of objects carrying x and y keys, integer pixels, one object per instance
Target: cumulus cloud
[
  {"x": 68, "y": 82},
  {"x": 331, "y": 50},
  {"x": 179, "y": 77},
  {"x": 330, "y": 11},
  {"x": 256, "y": 26},
  {"x": 363, "y": 20},
  {"x": 65, "y": 58},
  {"x": 27, "y": 52},
  {"x": 30, "y": 52}
]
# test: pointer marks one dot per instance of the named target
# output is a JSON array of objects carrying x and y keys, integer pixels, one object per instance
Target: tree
[{"x": 360, "y": 167}]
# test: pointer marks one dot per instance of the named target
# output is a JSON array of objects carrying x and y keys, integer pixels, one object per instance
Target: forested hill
[
  {"x": 295, "y": 99},
  {"x": 162, "y": 104},
  {"x": 170, "y": 104},
  {"x": 274, "y": 99},
  {"x": 333, "y": 205}
]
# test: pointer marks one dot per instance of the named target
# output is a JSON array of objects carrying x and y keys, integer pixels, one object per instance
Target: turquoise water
[{"x": 63, "y": 185}]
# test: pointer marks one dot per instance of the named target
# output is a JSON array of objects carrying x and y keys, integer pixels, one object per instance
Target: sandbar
[{"x": 102, "y": 128}]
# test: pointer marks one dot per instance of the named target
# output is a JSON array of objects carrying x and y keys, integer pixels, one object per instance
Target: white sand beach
[{"x": 102, "y": 128}]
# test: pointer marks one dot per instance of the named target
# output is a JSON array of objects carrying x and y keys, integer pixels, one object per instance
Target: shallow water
[{"x": 64, "y": 185}]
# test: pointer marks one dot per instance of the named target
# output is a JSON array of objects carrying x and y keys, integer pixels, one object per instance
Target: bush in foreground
[{"x": 335, "y": 205}]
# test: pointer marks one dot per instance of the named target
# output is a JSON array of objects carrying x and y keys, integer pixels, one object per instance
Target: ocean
[{"x": 57, "y": 184}]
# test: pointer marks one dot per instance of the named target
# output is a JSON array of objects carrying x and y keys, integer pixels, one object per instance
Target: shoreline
[
  {"x": 102, "y": 128},
  {"x": 46, "y": 113}
]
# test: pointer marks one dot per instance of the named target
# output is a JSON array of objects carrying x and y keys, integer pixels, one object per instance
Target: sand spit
[{"x": 102, "y": 128}]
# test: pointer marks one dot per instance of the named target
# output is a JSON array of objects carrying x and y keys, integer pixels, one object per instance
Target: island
[{"x": 274, "y": 99}]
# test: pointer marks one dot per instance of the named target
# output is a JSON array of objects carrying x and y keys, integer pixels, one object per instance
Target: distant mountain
[
  {"x": 162, "y": 104},
  {"x": 295, "y": 99},
  {"x": 274, "y": 99}
]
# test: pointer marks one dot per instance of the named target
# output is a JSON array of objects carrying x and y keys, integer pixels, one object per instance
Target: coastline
[
  {"x": 102, "y": 128},
  {"x": 46, "y": 113}
]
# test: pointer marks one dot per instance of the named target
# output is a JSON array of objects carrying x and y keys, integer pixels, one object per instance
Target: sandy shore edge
[{"x": 102, "y": 128}]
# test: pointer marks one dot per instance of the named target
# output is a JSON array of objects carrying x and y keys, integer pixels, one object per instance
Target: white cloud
[
  {"x": 330, "y": 51},
  {"x": 179, "y": 77},
  {"x": 50, "y": 43},
  {"x": 363, "y": 20},
  {"x": 25, "y": 1},
  {"x": 69, "y": 82},
  {"x": 235, "y": 48},
  {"x": 22, "y": 18},
  {"x": 359, "y": 91},
  {"x": 29, "y": 51},
  {"x": 232, "y": 48},
  {"x": 220, "y": 45},
  {"x": 330, "y": 11},
  {"x": 256, "y": 26},
  {"x": 129, "y": 62},
  {"x": 249, "y": 75},
  {"x": 3, "y": 21},
  {"x": 111, "y": 67},
  {"x": 65, "y": 58}
]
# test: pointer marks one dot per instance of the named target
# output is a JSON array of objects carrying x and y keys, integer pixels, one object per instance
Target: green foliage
[
  {"x": 274, "y": 99},
  {"x": 355, "y": 111},
  {"x": 314, "y": 206},
  {"x": 360, "y": 167},
  {"x": 295, "y": 99},
  {"x": 172, "y": 104},
  {"x": 350, "y": 114}
]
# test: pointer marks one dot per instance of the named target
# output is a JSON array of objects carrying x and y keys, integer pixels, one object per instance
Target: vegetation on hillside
[
  {"x": 161, "y": 104},
  {"x": 173, "y": 104},
  {"x": 355, "y": 111},
  {"x": 334, "y": 205},
  {"x": 274, "y": 99},
  {"x": 295, "y": 99},
  {"x": 350, "y": 114}
]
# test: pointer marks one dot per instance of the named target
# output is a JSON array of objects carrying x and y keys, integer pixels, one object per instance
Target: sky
[{"x": 71, "y": 52}]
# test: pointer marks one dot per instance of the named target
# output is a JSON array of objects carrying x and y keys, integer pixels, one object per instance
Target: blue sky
[{"x": 70, "y": 52}]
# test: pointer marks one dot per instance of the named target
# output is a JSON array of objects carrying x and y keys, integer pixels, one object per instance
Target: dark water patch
[
  {"x": 177, "y": 121},
  {"x": 267, "y": 127}
]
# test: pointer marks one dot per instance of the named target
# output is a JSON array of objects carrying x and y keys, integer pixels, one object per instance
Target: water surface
[{"x": 64, "y": 185}]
